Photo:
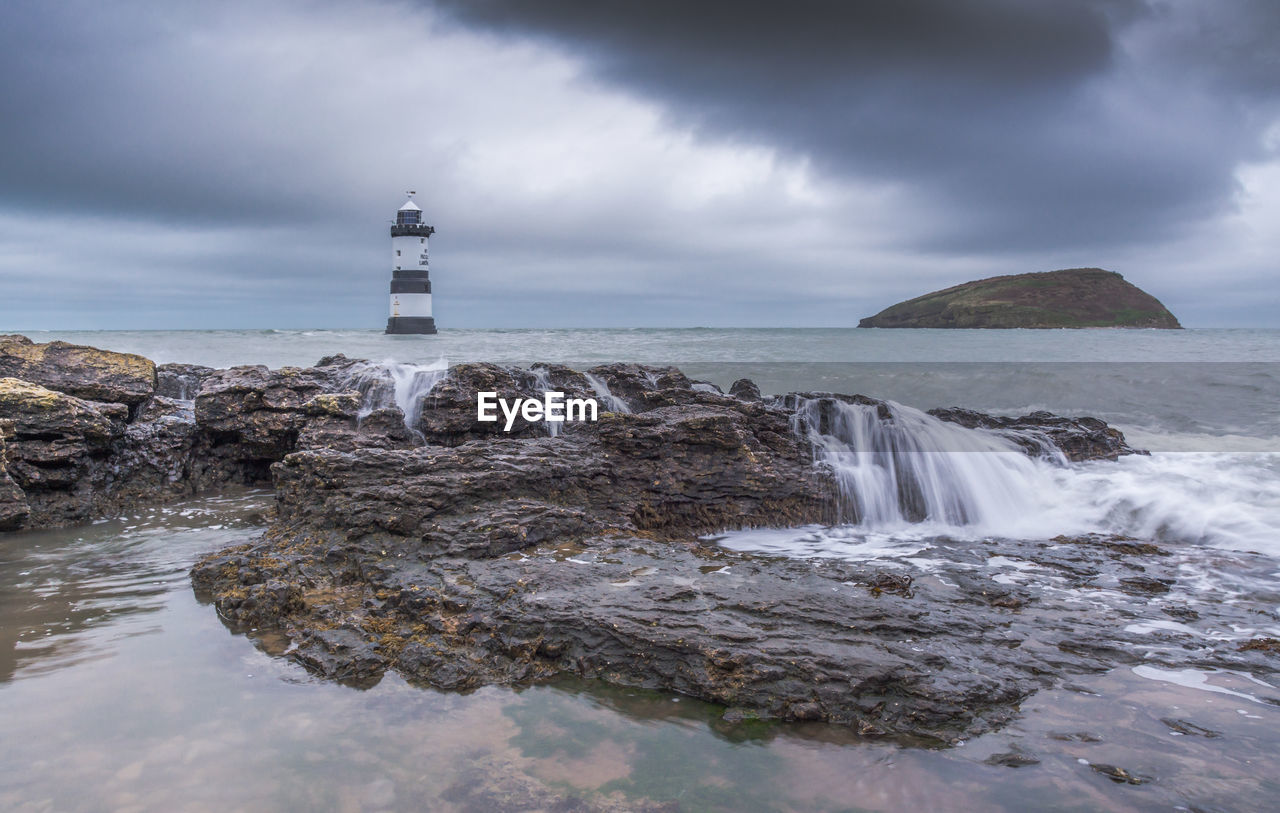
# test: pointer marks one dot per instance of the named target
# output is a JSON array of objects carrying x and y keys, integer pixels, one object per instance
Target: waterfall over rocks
[
  {"x": 394, "y": 384},
  {"x": 894, "y": 464},
  {"x": 542, "y": 383},
  {"x": 608, "y": 400}
]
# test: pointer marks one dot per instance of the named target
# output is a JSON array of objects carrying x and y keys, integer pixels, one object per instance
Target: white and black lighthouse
[{"x": 410, "y": 283}]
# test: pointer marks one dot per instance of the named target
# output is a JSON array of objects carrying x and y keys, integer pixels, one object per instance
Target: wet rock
[
  {"x": 781, "y": 638},
  {"x": 1180, "y": 611},
  {"x": 686, "y": 471},
  {"x": 773, "y": 639},
  {"x": 13, "y": 502},
  {"x": 884, "y": 582},
  {"x": 706, "y": 386},
  {"x": 448, "y": 415},
  {"x": 1145, "y": 584},
  {"x": 85, "y": 372},
  {"x": 347, "y": 655},
  {"x": 822, "y": 413},
  {"x": 1013, "y": 758},
  {"x": 250, "y": 417},
  {"x": 1189, "y": 728},
  {"x": 339, "y": 421},
  {"x": 180, "y": 382},
  {"x": 1120, "y": 775},
  {"x": 1270, "y": 645},
  {"x": 1075, "y": 736},
  {"x": 154, "y": 459},
  {"x": 482, "y": 557},
  {"x": 57, "y": 450},
  {"x": 642, "y": 387},
  {"x": 1119, "y": 546},
  {"x": 745, "y": 389},
  {"x": 1079, "y": 439}
]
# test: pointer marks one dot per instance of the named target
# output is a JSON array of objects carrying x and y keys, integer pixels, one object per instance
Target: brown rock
[
  {"x": 13, "y": 502},
  {"x": 57, "y": 446},
  {"x": 85, "y": 372}
]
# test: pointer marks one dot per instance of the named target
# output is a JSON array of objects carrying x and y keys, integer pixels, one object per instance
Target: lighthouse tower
[{"x": 410, "y": 285}]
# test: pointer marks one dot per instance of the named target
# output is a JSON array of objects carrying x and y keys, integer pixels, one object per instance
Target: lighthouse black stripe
[
  {"x": 412, "y": 231},
  {"x": 410, "y": 286},
  {"x": 411, "y": 324}
]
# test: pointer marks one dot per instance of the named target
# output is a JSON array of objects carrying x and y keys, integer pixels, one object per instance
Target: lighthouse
[{"x": 410, "y": 284}]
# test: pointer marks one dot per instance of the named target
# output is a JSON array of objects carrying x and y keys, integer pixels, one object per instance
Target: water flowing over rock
[
  {"x": 181, "y": 382},
  {"x": 894, "y": 464}
]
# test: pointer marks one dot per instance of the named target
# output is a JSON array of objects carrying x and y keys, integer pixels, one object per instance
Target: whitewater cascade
[
  {"x": 392, "y": 383},
  {"x": 895, "y": 465},
  {"x": 611, "y": 402},
  {"x": 904, "y": 475},
  {"x": 542, "y": 383}
]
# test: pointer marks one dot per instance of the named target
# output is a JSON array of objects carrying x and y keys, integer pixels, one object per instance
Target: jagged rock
[
  {"x": 1079, "y": 439},
  {"x": 825, "y": 409},
  {"x": 745, "y": 389},
  {"x": 1188, "y": 728},
  {"x": 640, "y": 388},
  {"x": 672, "y": 470},
  {"x": 448, "y": 415},
  {"x": 338, "y": 421},
  {"x": 57, "y": 450},
  {"x": 85, "y": 372},
  {"x": 155, "y": 458},
  {"x": 13, "y": 502},
  {"x": 1015, "y": 757},
  {"x": 180, "y": 382},
  {"x": 252, "y": 416},
  {"x": 509, "y": 559},
  {"x": 460, "y": 555},
  {"x": 774, "y": 638},
  {"x": 1120, "y": 775},
  {"x": 636, "y": 383}
]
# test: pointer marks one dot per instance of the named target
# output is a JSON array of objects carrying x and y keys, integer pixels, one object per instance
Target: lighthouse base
[{"x": 411, "y": 324}]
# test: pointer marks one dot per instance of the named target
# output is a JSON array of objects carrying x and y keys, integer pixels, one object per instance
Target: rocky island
[
  {"x": 409, "y": 536},
  {"x": 1070, "y": 298}
]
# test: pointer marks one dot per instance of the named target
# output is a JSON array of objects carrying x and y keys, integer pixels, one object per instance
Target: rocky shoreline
[{"x": 409, "y": 536}]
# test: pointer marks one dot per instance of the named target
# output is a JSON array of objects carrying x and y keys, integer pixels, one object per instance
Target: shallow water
[{"x": 120, "y": 690}]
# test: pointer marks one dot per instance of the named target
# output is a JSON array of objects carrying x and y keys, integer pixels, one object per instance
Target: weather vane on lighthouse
[{"x": 410, "y": 283}]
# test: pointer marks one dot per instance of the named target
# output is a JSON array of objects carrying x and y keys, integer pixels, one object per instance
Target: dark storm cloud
[
  {"x": 234, "y": 163},
  {"x": 169, "y": 113},
  {"x": 1032, "y": 125}
]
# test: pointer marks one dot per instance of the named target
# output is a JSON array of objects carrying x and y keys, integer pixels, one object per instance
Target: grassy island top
[{"x": 1070, "y": 298}]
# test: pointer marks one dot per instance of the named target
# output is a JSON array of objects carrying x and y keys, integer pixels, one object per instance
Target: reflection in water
[
  {"x": 118, "y": 690},
  {"x": 58, "y": 585}
]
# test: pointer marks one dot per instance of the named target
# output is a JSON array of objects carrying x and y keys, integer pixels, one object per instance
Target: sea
[{"x": 120, "y": 690}]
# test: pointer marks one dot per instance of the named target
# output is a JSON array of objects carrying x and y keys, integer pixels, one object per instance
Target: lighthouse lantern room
[{"x": 410, "y": 283}]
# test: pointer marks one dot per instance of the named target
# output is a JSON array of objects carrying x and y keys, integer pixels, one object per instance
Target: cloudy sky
[{"x": 659, "y": 163}]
